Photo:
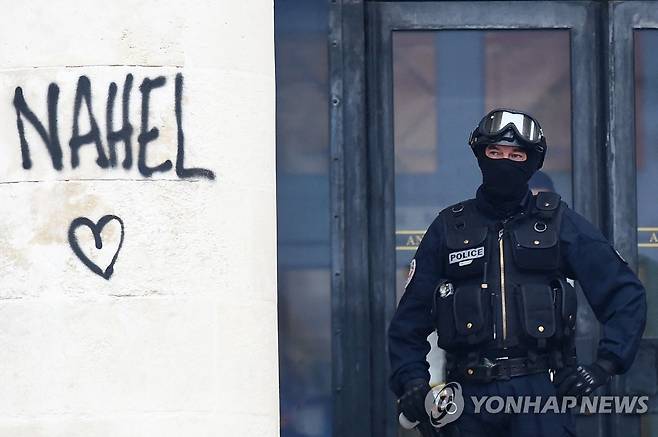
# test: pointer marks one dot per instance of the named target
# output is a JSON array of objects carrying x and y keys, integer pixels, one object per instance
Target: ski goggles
[{"x": 499, "y": 121}]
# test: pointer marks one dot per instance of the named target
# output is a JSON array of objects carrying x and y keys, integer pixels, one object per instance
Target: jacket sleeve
[
  {"x": 614, "y": 292},
  {"x": 412, "y": 323}
]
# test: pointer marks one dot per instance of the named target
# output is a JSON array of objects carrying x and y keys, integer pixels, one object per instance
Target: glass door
[
  {"x": 437, "y": 101},
  {"x": 633, "y": 175},
  {"x": 434, "y": 69}
]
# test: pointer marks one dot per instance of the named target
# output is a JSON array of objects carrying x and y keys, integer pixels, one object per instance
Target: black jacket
[{"x": 613, "y": 290}]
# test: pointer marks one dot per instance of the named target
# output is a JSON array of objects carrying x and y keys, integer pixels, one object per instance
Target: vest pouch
[
  {"x": 443, "y": 315},
  {"x": 537, "y": 312},
  {"x": 535, "y": 247},
  {"x": 466, "y": 253},
  {"x": 568, "y": 306},
  {"x": 472, "y": 313}
]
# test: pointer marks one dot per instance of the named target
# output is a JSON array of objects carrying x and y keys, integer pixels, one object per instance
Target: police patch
[
  {"x": 466, "y": 257},
  {"x": 412, "y": 270}
]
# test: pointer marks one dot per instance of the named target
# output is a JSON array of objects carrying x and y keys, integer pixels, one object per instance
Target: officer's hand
[
  {"x": 581, "y": 380},
  {"x": 412, "y": 402}
]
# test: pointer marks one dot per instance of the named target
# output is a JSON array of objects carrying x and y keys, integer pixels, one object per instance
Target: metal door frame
[{"x": 624, "y": 17}]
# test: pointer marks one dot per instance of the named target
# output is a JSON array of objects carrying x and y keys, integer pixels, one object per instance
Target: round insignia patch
[
  {"x": 446, "y": 289},
  {"x": 412, "y": 270}
]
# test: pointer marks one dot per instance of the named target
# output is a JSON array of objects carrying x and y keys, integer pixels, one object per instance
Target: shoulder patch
[{"x": 412, "y": 270}]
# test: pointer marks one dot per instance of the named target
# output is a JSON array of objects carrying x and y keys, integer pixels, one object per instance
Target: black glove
[
  {"x": 412, "y": 402},
  {"x": 582, "y": 380}
]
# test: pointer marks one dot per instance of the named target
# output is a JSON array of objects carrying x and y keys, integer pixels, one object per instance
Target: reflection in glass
[
  {"x": 304, "y": 284},
  {"x": 444, "y": 82},
  {"x": 646, "y": 149},
  {"x": 646, "y": 146}
]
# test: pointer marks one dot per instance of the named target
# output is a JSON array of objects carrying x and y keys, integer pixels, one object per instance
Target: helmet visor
[{"x": 499, "y": 121}]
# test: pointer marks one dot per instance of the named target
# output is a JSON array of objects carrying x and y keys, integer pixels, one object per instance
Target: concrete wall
[{"x": 165, "y": 326}]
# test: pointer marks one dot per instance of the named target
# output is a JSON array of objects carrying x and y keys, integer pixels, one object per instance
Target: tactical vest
[{"x": 503, "y": 284}]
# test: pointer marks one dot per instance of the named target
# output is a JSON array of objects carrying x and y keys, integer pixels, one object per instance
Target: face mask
[{"x": 504, "y": 179}]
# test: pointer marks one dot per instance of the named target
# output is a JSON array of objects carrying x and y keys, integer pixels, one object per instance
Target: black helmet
[{"x": 510, "y": 127}]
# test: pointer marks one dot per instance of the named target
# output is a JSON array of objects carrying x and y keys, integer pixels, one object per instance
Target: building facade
[{"x": 137, "y": 219}]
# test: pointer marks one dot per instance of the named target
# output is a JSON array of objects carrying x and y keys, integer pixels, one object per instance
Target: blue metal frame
[{"x": 351, "y": 342}]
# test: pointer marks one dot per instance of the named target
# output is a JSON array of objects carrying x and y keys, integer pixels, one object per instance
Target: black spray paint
[
  {"x": 83, "y": 93},
  {"x": 110, "y": 159},
  {"x": 147, "y": 135},
  {"x": 96, "y": 229},
  {"x": 125, "y": 133},
  {"x": 181, "y": 171},
  {"x": 50, "y": 137}
]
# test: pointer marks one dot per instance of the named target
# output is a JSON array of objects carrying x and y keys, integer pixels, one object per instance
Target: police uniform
[
  {"x": 490, "y": 276},
  {"x": 494, "y": 287}
]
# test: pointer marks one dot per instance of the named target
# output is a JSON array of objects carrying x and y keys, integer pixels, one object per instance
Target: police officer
[{"x": 490, "y": 277}]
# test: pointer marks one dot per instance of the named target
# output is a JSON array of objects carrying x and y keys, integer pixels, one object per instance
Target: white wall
[{"x": 180, "y": 340}]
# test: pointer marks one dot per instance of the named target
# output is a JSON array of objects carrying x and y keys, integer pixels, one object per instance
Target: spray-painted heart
[{"x": 96, "y": 229}]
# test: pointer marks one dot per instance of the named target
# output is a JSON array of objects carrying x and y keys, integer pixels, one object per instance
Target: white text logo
[{"x": 465, "y": 257}]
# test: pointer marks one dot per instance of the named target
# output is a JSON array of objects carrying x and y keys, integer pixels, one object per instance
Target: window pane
[
  {"x": 646, "y": 146},
  {"x": 304, "y": 283}
]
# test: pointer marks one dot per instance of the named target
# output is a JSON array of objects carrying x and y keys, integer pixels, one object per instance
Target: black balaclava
[{"x": 505, "y": 182}]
